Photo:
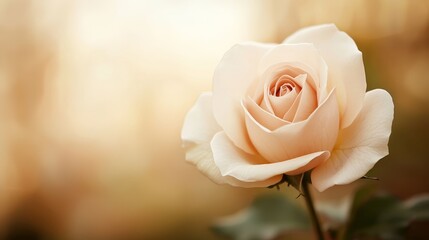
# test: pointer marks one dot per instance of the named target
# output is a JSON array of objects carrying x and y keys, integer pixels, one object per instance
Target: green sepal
[{"x": 295, "y": 181}]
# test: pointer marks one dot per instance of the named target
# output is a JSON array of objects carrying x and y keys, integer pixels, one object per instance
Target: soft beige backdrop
[{"x": 93, "y": 96}]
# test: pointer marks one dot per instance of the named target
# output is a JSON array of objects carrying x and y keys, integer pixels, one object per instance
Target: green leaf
[
  {"x": 266, "y": 218},
  {"x": 418, "y": 207},
  {"x": 383, "y": 216},
  {"x": 362, "y": 195}
]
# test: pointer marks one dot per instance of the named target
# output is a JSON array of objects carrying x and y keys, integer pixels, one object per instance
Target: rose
[{"x": 289, "y": 108}]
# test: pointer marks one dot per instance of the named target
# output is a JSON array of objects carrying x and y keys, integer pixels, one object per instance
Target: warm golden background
[{"x": 93, "y": 96}]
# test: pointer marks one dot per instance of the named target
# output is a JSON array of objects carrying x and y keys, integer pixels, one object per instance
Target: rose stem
[{"x": 310, "y": 206}]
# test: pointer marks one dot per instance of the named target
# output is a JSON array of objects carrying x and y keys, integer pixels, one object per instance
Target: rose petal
[
  {"x": 232, "y": 78},
  {"x": 317, "y": 133},
  {"x": 250, "y": 168},
  {"x": 305, "y": 106},
  {"x": 199, "y": 125},
  {"x": 290, "y": 114},
  {"x": 256, "y": 90},
  {"x": 198, "y": 130},
  {"x": 363, "y": 143},
  {"x": 301, "y": 79},
  {"x": 304, "y": 56},
  {"x": 266, "y": 119},
  {"x": 344, "y": 60},
  {"x": 202, "y": 157},
  {"x": 282, "y": 104}
]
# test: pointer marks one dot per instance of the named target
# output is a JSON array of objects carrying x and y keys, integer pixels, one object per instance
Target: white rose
[{"x": 289, "y": 108}]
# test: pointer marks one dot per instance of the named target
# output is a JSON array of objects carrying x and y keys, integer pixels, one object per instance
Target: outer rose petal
[
  {"x": 199, "y": 125},
  {"x": 202, "y": 157},
  {"x": 346, "y": 71},
  {"x": 197, "y": 132},
  {"x": 251, "y": 168},
  {"x": 235, "y": 73},
  {"x": 363, "y": 143}
]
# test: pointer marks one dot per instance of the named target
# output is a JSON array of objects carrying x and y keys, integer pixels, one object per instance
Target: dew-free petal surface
[
  {"x": 346, "y": 72},
  {"x": 199, "y": 125},
  {"x": 317, "y": 133},
  {"x": 362, "y": 144},
  {"x": 303, "y": 55},
  {"x": 233, "y": 76},
  {"x": 251, "y": 168},
  {"x": 198, "y": 130}
]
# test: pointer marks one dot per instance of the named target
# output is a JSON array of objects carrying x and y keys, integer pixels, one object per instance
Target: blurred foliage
[
  {"x": 383, "y": 216},
  {"x": 373, "y": 215},
  {"x": 266, "y": 218}
]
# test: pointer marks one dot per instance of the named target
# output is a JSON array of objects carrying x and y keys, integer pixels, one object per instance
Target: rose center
[{"x": 282, "y": 86}]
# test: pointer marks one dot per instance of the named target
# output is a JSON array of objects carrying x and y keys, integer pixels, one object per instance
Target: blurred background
[{"x": 93, "y": 96}]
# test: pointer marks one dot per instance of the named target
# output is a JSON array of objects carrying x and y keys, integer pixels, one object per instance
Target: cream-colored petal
[
  {"x": 301, "y": 79},
  {"x": 307, "y": 103},
  {"x": 202, "y": 157},
  {"x": 198, "y": 130},
  {"x": 251, "y": 168},
  {"x": 265, "y": 102},
  {"x": 304, "y": 56},
  {"x": 263, "y": 117},
  {"x": 346, "y": 71},
  {"x": 290, "y": 114},
  {"x": 317, "y": 133},
  {"x": 256, "y": 90},
  {"x": 282, "y": 104},
  {"x": 233, "y": 76},
  {"x": 199, "y": 125},
  {"x": 362, "y": 144}
]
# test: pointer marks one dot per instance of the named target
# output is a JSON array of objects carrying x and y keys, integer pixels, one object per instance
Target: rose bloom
[{"x": 289, "y": 108}]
